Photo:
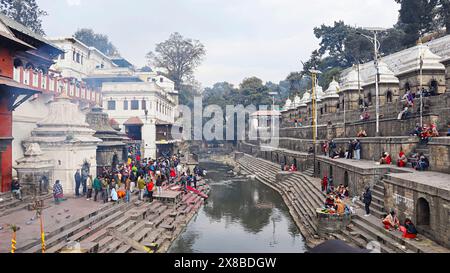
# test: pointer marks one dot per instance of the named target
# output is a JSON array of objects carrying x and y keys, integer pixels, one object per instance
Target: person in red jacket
[
  {"x": 173, "y": 174},
  {"x": 150, "y": 187},
  {"x": 385, "y": 159},
  {"x": 324, "y": 183}
]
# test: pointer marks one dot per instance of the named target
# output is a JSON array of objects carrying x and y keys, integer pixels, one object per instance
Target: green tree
[
  {"x": 178, "y": 56},
  {"x": 443, "y": 12},
  {"x": 99, "y": 41},
  {"x": 253, "y": 91},
  {"x": 416, "y": 18},
  {"x": 26, "y": 12}
]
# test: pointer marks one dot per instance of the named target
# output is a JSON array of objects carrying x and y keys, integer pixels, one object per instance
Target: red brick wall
[
  {"x": 6, "y": 63},
  {"x": 6, "y": 156},
  {"x": 6, "y": 70}
]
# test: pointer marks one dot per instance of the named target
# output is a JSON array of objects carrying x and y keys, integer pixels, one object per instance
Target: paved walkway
[
  {"x": 54, "y": 217},
  {"x": 434, "y": 179}
]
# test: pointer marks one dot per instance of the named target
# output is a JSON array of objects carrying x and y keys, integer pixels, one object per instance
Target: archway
[
  {"x": 369, "y": 98},
  {"x": 423, "y": 212},
  {"x": 433, "y": 87},
  {"x": 295, "y": 163},
  {"x": 346, "y": 179},
  {"x": 407, "y": 87},
  {"x": 389, "y": 96},
  {"x": 330, "y": 171},
  {"x": 285, "y": 160}
]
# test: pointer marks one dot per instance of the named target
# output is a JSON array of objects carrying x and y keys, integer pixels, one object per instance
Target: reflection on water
[{"x": 240, "y": 215}]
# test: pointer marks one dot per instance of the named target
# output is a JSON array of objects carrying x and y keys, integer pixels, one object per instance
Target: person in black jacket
[
  {"x": 77, "y": 183},
  {"x": 350, "y": 150},
  {"x": 367, "y": 199}
]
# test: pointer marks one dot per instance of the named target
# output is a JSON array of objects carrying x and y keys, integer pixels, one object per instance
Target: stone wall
[
  {"x": 436, "y": 107},
  {"x": 440, "y": 154},
  {"x": 407, "y": 196}
]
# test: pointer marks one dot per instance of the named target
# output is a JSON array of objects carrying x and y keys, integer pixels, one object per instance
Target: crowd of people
[
  {"x": 425, "y": 132},
  {"x": 287, "y": 168},
  {"x": 353, "y": 151},
  {"x": 419, "y": 161},
  {"x": 142, "y": 177},
  {"x": 334, "y": 202}
]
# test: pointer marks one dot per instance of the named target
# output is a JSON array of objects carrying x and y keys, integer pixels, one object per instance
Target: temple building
[
  {"x": 65, "y": 137},
  {"x": 330, "y": 99},
  {"x": 139, "y": 101},
  {"x": 112, "y": 149},
  {"x": 19, "y": 46}
]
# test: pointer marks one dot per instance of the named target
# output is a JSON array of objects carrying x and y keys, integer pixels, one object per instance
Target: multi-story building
[
  {"x": 22, "y": 48},
  {"x": 141, "y": 102}
]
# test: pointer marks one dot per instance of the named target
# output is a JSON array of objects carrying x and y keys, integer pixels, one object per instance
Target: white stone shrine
[{"x": 66, "y": 138}]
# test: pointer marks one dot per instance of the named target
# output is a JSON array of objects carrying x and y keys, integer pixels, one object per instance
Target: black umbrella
[{"x": 336, "y": 246}]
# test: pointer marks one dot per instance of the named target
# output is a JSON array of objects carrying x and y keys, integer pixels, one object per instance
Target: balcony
[{"x": 49, "y": 84}]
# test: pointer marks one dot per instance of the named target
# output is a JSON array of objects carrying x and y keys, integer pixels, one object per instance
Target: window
[
  {"x": 134, "y": 105},
  {"x": 82, "y": 57},
  {"x": 63, "y": 56},
  {"x": 389, "y": 96},
  {"x": 326, "y": 108},
  {"x": 78, "y": 57},
  {"x": 112, "y": 105},
  {"x": 144, "y": 105},
  {"x": 74, "y": 56},
  {"x": 161, "y": 79},
  {"x": 369, "y": 98},
  {"x": 125, "y": 105}
]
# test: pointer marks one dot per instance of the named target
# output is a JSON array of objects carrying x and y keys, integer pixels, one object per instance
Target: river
[{"x": 240, "y": 215}]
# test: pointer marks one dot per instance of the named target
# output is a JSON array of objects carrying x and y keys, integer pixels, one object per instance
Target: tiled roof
[{"x": 23, "y": 29}]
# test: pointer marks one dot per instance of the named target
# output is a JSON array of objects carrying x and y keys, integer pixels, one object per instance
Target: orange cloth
[{"x": 121, "y": 194}]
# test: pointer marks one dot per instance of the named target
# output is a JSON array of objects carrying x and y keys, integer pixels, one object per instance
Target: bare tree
[{"x": 178, "y": 56}]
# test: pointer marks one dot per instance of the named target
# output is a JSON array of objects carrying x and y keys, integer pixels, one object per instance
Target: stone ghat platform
[
  {"x": 302, "y": 194},
  {"x": 87, "y": 223}
]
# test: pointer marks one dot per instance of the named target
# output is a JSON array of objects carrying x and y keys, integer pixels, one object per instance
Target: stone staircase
[
  {"x": 420, "y": 148},
  {"x": 140, "y": 221},
  {"x": 10, "y": 204},
  {"x": 303, "y": 195},
  {"x": 377, "y": 206},
  {"x": 309, "y": 172}
]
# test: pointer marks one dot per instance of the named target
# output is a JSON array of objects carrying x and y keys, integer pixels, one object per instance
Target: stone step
[
  {"x": 373, "y": 206},
  {"x": 86, "y": 232},
  {"x": 69, "y": 230},
  {"x": 304, "y": 213},
  {"x": 308, "y": 188},
  {"x": 311, "y": 199},
  {"x": 297, "y": 196},
  {"x": 379, "y": 194},
  {"x": 362, "y": 239},
  {"x": 379, "y": 236},
  {"x": 303, "y": 216},
  {"x": 138, "y": 237},
  {"x": 113, "y": 244},
  {"x": 421, "y": 245},
  {"x": 373, "y": 211},
  {"x": 14, "y": 205}
]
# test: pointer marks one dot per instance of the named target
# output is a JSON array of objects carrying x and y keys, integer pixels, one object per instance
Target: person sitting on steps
[
  {"x": 423, "y": 163},
  {"x": 391, "y": 221},
  {"x": 402, "y": 160},
  {"x": 16, "y": 188},
  {"x": 385, "y": 159},
  {"x": 409, "y": 230}
]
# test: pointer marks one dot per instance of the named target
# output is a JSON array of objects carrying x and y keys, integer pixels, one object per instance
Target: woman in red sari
[{"x": 402, "y": 160}]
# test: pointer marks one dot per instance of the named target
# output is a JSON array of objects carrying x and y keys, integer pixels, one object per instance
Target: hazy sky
[{"x": 263, "y": 38}]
